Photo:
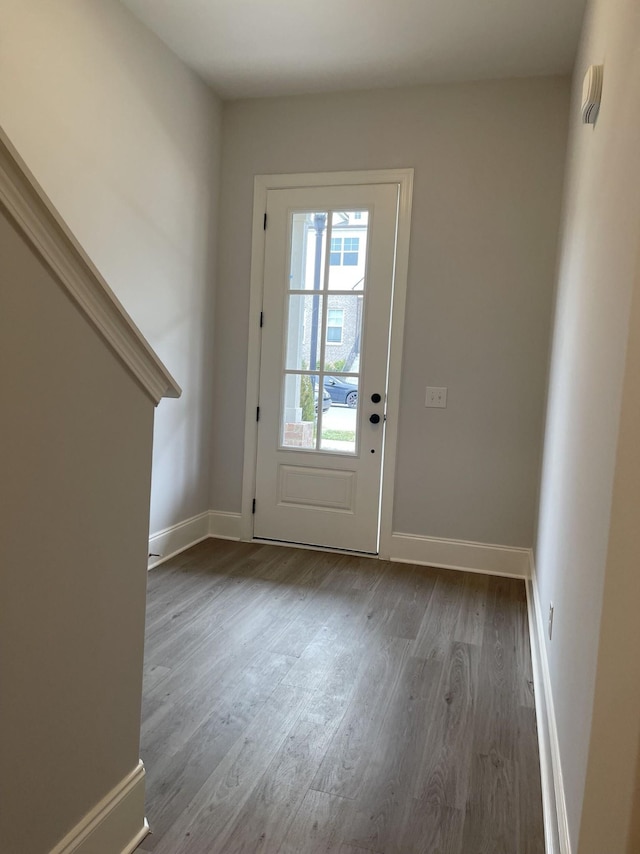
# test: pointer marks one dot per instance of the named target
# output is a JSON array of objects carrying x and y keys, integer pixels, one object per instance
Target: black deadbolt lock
[{"x": 375, "y": 398}]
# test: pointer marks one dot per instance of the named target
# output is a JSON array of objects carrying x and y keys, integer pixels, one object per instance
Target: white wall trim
[
  {"x": 459, "y": 554},
  {"x": 556, "y": 826},
  {"x": 37, "y": 219},
  {"x": 175, "y": 539},
  {"x": 178, "y": 538},
  {"x": 116, "y": 825},
  {"x": 225, "y": 526},
  {"x": 396, "y": 345},
  {"x": 262, "y": 184},
  {"x": 405, "y": 548}
]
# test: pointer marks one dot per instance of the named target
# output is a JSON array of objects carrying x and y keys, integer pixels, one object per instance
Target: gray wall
[
  {"x": 126, "y": 142},
  {"x": 75, "y": 459},
  {"x": 588, "y": 542},
  {"x": 489, "y": 160}
]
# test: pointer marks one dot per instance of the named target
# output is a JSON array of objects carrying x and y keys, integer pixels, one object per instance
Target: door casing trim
[{"x": 262, "y": 184}]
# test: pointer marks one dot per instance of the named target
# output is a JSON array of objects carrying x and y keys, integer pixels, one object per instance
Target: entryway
[{"x": 329, "y": 294}]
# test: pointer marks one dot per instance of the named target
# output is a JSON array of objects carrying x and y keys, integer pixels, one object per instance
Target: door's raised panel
[{"x": 323, "y": 489}]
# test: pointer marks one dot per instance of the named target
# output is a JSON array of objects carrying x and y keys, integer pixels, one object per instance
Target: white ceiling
[{"x": 253, "y": 48}]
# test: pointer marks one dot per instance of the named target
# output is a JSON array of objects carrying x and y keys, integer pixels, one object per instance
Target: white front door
[{"x": 328, "y": 286}]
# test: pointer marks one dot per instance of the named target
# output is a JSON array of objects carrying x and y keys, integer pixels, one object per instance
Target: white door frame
[{"x": 262, "y": 184}]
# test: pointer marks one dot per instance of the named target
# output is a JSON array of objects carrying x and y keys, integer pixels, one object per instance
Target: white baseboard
[
  {"x": 177, "y": 538},
  {"x": 405, "y": 548},
  {"x": 225, "y": 526},
  {"x": 212, "y": 523},
  {"x": 460, "y": 554},
  {"x": 116, "y": 825},
  {"x": 556, "y": 826}
]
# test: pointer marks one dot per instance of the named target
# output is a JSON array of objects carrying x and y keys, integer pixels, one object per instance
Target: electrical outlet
[
  {"x": 436, "y": 396},
  {"x": 550, "y": 619}
]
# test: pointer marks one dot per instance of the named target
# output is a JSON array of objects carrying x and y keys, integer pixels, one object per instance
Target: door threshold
[{"x": 309, "y": 547}]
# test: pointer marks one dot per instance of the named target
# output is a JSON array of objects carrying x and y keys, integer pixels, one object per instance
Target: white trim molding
[
  {"x": 262, "y": 184},
  {"x": 225, "y": 526},
  {"x": 116, "y": 825},
  {"x": 556, "y": 826},
  {"x": 177, "y": 538},
  {"x": 405, "y": 548},
  {"x": 459, "y": 554},
  {"x": 34, "y": 215}
]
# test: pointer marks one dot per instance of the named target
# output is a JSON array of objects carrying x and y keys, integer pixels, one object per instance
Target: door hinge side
[
  {"x": 253, "y": 506},
  {"x": 261, "y": 319},
  {"x": 257, "y": 413},
  {"x": 264, "y": 224}
]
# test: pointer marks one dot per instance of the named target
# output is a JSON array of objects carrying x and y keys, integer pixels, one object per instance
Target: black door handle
[{"x": 375, "y": 418}]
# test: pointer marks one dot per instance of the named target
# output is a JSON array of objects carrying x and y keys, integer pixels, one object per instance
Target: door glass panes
[
  {"x": 300, "y": 412},
  {"x": 348, "y": 250},
  {"x": 343, "y": 333},
  {"x": 323, "y": 327},
  {"x": 308, "y": 250},
  {"x": 304, "y": 321},
  {"x": 339, "y": 423}
]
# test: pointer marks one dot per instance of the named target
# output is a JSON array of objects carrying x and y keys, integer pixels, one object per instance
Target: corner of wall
[
  {"x": 556, "y": 827},
  {"x": 116, "y": 824}
]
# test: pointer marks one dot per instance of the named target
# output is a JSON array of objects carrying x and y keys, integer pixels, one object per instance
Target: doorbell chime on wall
[{"x": 592, "y": 94}]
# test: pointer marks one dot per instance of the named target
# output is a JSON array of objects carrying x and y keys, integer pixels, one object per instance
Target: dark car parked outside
[
  {"x": 343, "y": 391},
  {"x": 326, "y": 400}
]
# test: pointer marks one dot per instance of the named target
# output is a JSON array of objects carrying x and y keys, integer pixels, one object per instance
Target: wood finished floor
[{"x": 301, "y": 702}]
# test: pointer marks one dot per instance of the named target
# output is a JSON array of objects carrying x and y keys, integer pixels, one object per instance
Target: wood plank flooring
[{"x": 299, "y": 702}]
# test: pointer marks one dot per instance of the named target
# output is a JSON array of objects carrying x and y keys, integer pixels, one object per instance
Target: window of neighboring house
[
  {"x": 344, "y": 251},
  {"x": 335, "y": 323},
  {"x": 357, "y": 215}
]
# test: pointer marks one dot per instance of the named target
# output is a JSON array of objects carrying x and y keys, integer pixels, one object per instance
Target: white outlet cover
[{"x": 436, "y": 397}]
